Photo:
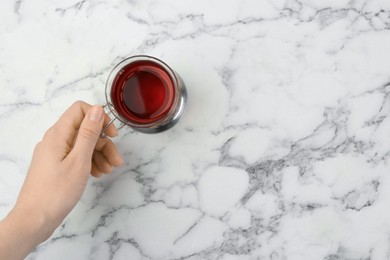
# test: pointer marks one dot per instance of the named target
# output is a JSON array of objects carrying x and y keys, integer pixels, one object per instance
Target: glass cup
[{"x": 144, "y": 93}]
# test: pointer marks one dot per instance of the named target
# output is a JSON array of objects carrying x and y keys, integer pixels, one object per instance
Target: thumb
[{"x": 89, "y": 133}]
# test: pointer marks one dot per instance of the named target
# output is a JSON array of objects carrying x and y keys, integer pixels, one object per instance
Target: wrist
[
  {"x": 20, "y": 232},
  {"x": 33, "y": 223}
]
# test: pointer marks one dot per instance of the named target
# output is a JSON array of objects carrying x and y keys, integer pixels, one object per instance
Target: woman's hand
[{"x": 69, "y": 152}]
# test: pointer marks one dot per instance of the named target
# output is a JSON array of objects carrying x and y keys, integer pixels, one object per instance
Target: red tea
[{"x": 142, "y": 92}]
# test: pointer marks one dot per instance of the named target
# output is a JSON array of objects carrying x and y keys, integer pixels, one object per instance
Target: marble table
[{"x": 283, "y": 152}]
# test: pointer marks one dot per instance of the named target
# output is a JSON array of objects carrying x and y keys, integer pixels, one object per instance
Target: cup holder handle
[{"x": 103, "y": 132}]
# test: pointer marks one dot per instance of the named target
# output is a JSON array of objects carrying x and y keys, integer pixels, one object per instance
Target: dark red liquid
[{"x": 142, "y": 92}]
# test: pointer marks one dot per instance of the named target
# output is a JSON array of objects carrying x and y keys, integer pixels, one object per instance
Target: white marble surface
[{"x": 284, "y": 150}]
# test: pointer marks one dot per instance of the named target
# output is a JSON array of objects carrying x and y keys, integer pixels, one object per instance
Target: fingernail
[{"x": 96, "y": 114}]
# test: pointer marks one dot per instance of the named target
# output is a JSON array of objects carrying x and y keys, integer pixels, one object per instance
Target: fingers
[
  {"x": 102, "y": 163},
  {"x": 69, "y": 123},
  {"x": 78, "y": 131},
  {"x": 88, "y": 134},
  {"x": 105, "y": 157},
  {"x": 109, "y": 150},
  {"x": 95, "y": 170}
]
